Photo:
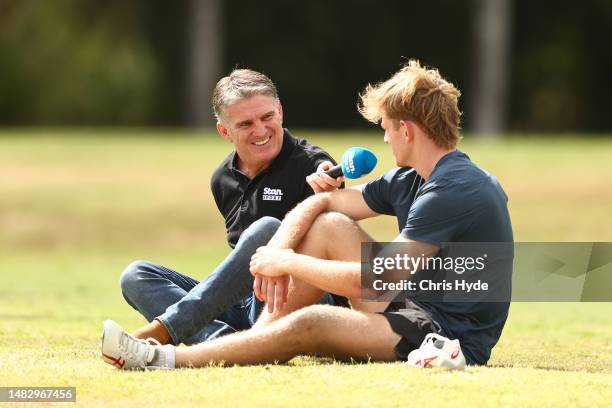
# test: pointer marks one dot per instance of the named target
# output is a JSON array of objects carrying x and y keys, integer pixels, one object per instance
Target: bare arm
[
  {"x": 321, "y": 182},
  {"x": 339, "y": 277},
  {"x": 297, "y": 222},
  {"x": 295, "y": 226},
  {"x": 401, "y": 247}
]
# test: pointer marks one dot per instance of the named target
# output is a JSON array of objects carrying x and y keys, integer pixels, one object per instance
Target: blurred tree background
[{"x": 149, "y": 62}]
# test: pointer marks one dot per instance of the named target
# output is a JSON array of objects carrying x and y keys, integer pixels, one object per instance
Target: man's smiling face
[{"x": 254, "y": 125}]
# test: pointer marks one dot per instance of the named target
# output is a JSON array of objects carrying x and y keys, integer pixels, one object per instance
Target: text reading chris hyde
[{"x": 428, "y": 285}]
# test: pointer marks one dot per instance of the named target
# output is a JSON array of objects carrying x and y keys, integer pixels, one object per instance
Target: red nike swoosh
[
  {"x": 117, "y": 362},
  {"x": 428, "y": 360}
]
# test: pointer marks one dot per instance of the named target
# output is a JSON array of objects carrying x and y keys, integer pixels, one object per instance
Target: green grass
[{"x": 77, "y": 206}]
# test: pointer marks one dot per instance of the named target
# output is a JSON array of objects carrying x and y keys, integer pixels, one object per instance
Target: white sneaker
[
  {"x": 126, "y": 352},
  {"x": 438, "y": 351}
]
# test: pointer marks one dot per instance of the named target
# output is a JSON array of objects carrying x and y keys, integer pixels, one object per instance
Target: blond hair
[
  {"x": 418, "y": 94},
  {"x": 239, "y": 84}
]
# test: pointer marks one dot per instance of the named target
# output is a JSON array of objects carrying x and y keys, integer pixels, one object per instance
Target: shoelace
[
  {"x": 430, "y": 337},
  {"x": 136, "y": 348}
]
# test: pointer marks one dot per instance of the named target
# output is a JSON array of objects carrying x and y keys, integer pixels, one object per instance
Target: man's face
[
  {"x": 254, "y": 125},
  {"x": 395, "y": 137}
]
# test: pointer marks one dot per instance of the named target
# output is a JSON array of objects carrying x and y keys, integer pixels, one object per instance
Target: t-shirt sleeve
[
  {"x": 438, "y": 215},
  {"x": 377, "y": 194},
  {"x": 216, "y": 191}
]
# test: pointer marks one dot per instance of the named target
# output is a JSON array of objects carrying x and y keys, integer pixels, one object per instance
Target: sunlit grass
[{"x": 77, "y": 206}]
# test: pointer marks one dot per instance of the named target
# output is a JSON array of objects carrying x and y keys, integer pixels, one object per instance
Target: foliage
[
  {"x": 126, "y": 63},
  {"x": 74, "y": 62}
]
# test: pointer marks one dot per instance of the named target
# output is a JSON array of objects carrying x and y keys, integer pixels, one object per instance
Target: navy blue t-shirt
[{"x": 459, "y": 202}]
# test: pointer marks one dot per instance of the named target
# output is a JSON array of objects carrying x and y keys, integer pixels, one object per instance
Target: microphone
[{"x": 355, "y": 162}]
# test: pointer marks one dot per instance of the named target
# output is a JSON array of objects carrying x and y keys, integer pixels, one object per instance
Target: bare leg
[
  {"x": 319, "y": 329},
  {"x": 154, "y": 330},
  {"x": 332, "y": 236}
]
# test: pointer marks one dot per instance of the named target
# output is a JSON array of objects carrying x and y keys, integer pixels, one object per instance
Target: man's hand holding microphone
[{"x": 321, "y": 182}]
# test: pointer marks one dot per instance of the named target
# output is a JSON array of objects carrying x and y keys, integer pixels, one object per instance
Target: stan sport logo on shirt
[{"x": 272, "y": 194}]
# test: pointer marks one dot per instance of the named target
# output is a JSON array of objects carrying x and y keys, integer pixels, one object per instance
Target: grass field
[{"x": 77, "y": 206}]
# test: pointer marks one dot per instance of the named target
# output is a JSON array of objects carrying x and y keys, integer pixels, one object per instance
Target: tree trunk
[
  {"x": 492, "y": 28},
  {"x": 205, "y": 32}
]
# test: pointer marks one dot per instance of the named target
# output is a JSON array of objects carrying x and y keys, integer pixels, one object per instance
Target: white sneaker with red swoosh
[
  {"x": 438, "y": 351},
  {"x": 126, "y": 352}
]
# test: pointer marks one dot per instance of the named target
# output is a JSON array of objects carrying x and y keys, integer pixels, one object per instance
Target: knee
[
  {"x": 330, "y": 222},
  {"x": 131, "y": 275},
  {"x": 261, "y": 230}
]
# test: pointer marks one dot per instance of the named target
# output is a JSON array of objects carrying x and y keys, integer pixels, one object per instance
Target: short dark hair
[{"x": 239, "y": 84}]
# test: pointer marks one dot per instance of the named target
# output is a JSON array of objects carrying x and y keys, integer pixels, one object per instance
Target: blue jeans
[{"x": 194, "y": 311}]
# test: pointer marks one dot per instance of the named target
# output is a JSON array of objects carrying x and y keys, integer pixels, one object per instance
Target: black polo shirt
[{"x": 273, "y": 192}]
